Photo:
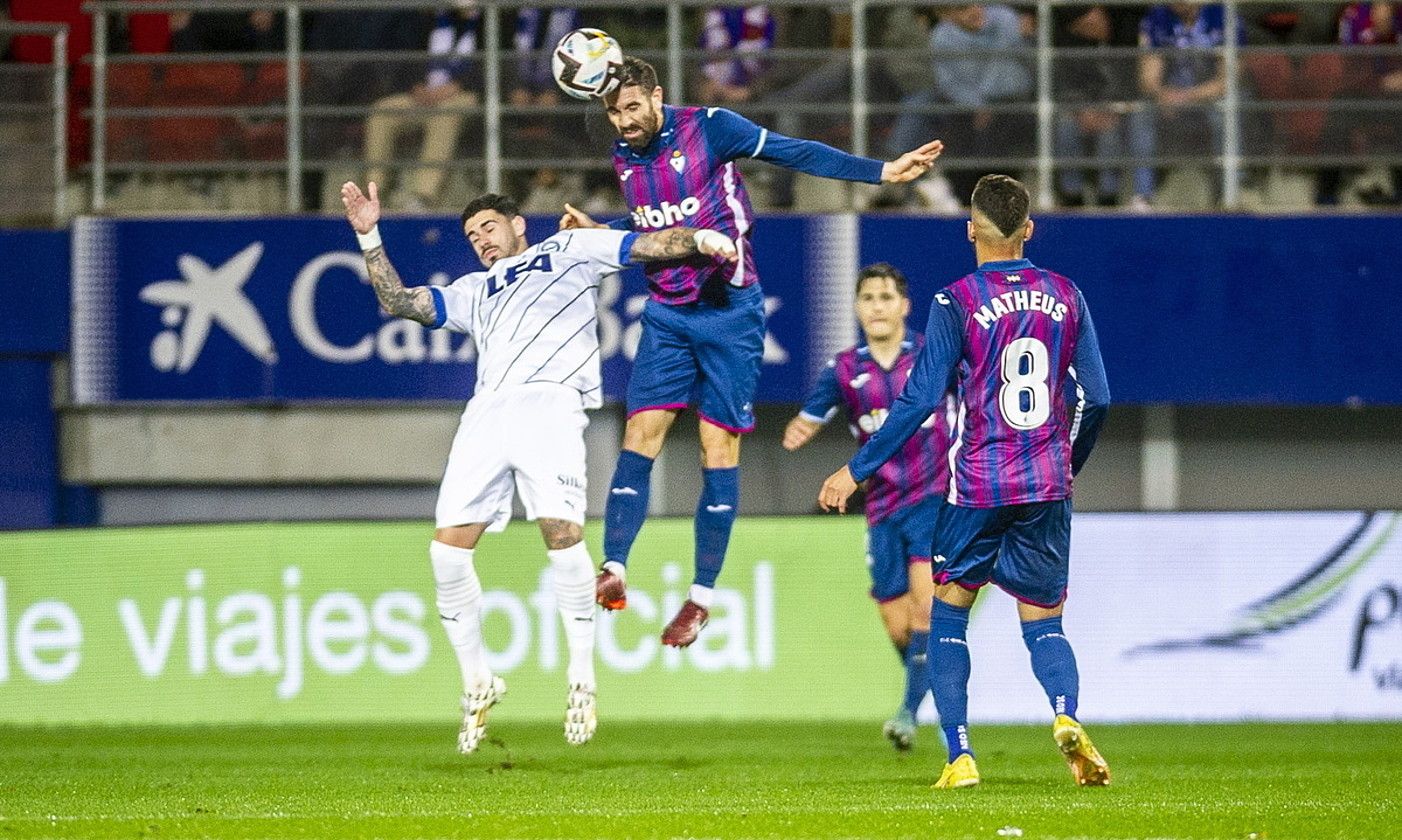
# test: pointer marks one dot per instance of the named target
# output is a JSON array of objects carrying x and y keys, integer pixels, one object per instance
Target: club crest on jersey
[{"x": 678, "y": 162}]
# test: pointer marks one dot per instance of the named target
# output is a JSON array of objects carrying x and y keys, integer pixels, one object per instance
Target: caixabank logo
[
  {"x": 1356, "y": 585},
  {"x": 256, "y": 310}
]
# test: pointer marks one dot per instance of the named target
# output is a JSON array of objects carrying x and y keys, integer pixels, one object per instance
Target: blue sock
[
  {"x": 1054, "y": 663},
  {"x": 715, "y": 516},
  {"x": 917, "y": 675},
  {"x": 626, "y": 507},
  {"x": 949, "y": 674}
]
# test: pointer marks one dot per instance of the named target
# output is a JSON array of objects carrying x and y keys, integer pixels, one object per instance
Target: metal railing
[
  {"x": 34, "y": 144},
  {"x": 855, "y": 119}
]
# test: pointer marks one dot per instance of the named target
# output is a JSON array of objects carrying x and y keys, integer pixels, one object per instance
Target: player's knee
[
  {"x": 646, "y": 431},
  {"x": 719, "y": 449},
  {"x": 560, "y": 534},
  {"x": 456, "y": 536},
  {"x": 896, "y": 621}
]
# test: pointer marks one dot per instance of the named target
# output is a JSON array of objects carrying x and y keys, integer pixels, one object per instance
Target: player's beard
[{"x": 650, "y": 124}]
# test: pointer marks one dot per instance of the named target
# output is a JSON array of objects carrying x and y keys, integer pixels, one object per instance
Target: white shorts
[{"x": 528, "y": 438}]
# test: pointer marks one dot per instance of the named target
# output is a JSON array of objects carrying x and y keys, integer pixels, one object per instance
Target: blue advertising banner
[
  {"x": 1190, "y": 310},
  {"x": 1206, "y": 309},
  {"x": 273, "y": 310}
]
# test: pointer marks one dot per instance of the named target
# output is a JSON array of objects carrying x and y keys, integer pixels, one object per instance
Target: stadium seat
[
  {"x": 269, "y": 83},
  {"x": 129, "y": 85},
  {"x": 188, "y": 139},
  {"x": 197, "y": 137},
  {"x": 205, "y": 84},
  {"x": 263, "y": 137}
]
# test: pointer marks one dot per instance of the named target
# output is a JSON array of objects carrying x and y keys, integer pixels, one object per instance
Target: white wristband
[{"x": 369, "y": 240}]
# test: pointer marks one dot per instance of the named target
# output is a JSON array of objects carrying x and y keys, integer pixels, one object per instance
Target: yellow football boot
[
  {"x": 1081, "y": 756},
  {"x": 960, "y": 773}
]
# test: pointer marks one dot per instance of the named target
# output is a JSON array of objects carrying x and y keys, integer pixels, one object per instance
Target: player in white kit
[{"x": 532, "y": 315}]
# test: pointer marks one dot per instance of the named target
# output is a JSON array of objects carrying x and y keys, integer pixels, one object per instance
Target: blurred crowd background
[{"x": 174, "y": 106}]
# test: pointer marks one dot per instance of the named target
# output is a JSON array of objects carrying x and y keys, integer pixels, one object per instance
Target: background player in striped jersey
[
  {"x": 905, "y": 493},
  {"x": 703, "y": 327},
  {"x": 1019, "y": 338},
  {"x": 532, "y": 315}
]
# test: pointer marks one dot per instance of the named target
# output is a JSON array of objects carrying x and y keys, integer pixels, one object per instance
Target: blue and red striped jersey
[
  {"x": 857, "y": 382},
  {"x": 1031, "y": 390},
  {"x": 686, "y": 177}
]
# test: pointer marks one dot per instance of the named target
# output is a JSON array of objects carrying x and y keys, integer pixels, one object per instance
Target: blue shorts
[
  {"x": 897, "y": 542},
  {"x": 1024, "y": 549},
  {"x": 704, "y": 355}
]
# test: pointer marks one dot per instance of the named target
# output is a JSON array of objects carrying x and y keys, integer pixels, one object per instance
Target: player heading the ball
[{"x": 703, "y": 327}]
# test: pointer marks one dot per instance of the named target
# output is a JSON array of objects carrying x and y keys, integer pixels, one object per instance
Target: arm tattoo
[
  {"x": 670, "y": 244},
  {"x": 415, "y": 303}
]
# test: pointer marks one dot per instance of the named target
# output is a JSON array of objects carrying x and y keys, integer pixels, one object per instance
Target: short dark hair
[
  {"x": 491, "y": 201},
  {"x": 636, "y": 73},
  {"x": 883, "y": 269},
  {"x": 1004, "y": 201}
]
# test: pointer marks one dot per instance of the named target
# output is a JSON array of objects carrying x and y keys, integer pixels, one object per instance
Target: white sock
[
  {"x": 619, "y": 570},
  {"x": 574, "y": 596},
  {"x": 700, "y": 595},
  {"x": 460, "y": 608}
]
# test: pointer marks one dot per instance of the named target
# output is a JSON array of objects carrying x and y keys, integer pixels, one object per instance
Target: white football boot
[
  {"x": 581, "y": 714},
  {"x": 475, "y": 705}
]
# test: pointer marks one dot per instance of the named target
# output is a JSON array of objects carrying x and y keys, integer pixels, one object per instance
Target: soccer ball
[{"x": 586, "y": 63}]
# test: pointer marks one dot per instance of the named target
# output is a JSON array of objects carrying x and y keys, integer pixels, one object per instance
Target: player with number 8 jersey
[
  {"x": 1011, "y": 441},
  {"x": 1031, "y": 397}
]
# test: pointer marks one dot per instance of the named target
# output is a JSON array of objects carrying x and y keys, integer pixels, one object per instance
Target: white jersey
[{"x": 534, "y": 316}]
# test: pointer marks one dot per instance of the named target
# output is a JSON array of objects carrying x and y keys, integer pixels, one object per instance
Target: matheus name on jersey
[
  {"x": 1023, "y": 300},
  {"x": 534, "y": 317}
]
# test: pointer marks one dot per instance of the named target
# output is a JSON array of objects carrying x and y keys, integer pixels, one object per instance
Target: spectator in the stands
[
  {"x": 981, "y": 67},
  {"x": 337, "y": 82},
  {"x": 537, "y": 32},
  {"x": 739, "y": 39},
  {"x": 912, "y": 74},
  {"x": 438, "y": 104},
  {"x": 1377, "y": 77},
  {"x": 1181, "y": 76},
  {"x": 532, "y": 86},
  {"x": 261, "y": 30},
  {"x": 1092, "y": 91}
]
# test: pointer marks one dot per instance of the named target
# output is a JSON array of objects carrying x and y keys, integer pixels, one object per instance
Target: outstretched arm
[
  {"x": 676, "y": 243},
  {"x": 363, "y": 213},
  {"x": 731, "y": 136}
]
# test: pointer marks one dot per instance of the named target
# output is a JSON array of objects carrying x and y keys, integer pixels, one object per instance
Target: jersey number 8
[{"x": 1024, "y": 399}]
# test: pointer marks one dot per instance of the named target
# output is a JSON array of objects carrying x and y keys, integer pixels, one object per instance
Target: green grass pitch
[{"x": 761, "y": 780}]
